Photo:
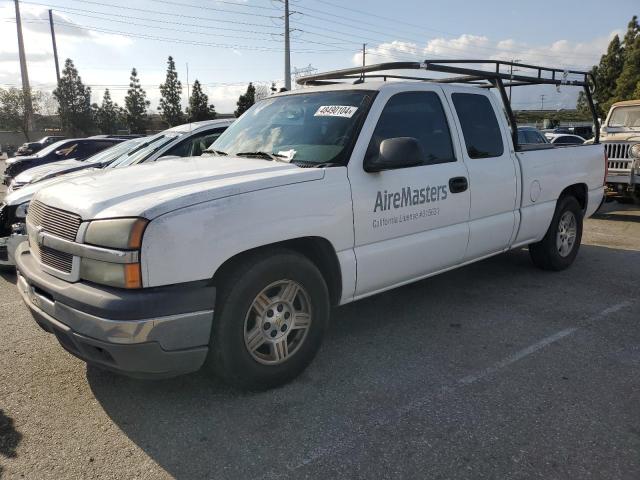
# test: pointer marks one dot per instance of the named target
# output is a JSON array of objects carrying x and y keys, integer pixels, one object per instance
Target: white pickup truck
[{"x": 317, "y": 197}]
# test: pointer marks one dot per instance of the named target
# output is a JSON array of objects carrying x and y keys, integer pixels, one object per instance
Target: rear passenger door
[
  {"x": 408, "y": 223},
  {"x": 492, "y": 172}
]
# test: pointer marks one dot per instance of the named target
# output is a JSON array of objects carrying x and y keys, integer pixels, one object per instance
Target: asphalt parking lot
[{"x": 496, "y": 370}]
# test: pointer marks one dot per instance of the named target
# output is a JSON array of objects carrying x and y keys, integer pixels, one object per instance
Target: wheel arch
[
  {"x": 579, "y": 191},
  {"x": 318, "y": 250}
]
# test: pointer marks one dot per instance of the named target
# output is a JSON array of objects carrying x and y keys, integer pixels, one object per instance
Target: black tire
[
  {"x": 229, "y": 357},
  {"x": 545, "y": 254}
]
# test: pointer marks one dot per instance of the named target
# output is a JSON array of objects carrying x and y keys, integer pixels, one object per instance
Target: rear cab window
[{"x": 480, "y": 128}]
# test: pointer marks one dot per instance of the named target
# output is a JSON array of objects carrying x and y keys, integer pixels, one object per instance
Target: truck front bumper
[
  {"x": 8, "y": 246},
  {"x": 155, "y": 332}
]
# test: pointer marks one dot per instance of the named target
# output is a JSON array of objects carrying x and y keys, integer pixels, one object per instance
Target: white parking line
[
  {"x": 525, "y": 352},
  {"x": 347, "y": 442},
  {"x": 517, "y": 356}
]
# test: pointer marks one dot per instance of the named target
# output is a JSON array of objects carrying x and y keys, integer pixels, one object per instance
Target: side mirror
[{"x": 399, "y": 152}]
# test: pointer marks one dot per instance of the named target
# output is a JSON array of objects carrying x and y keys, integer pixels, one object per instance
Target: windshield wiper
[
  {"x": 265, "y": 155},
  {"x": 215, "y": 152}
]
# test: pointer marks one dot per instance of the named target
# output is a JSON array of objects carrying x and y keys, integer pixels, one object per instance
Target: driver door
[{"x": 409, "y": 222}]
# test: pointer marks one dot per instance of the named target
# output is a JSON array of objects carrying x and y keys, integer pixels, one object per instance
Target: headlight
[
  {"x": 634, "y": 153},
  {"x": 121, "y": 234},
  {"x": 21, "y": 210}
]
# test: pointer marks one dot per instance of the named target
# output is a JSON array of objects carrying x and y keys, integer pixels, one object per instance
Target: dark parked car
[
  {"x": 29, "y": 148},
  {"x": 78, "y": 149},
  {"x": 562, "y": 139},
  {"x": 530, "y": 136}
]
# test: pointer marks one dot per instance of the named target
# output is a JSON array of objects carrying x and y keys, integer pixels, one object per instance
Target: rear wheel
[
  {"x": 560, "y": 245},
  {"x": 270, "y": 318}
]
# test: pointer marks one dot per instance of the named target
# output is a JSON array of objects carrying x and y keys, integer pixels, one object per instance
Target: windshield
[
  {"x": 52, "y": 148},
  {"x": 147, "y": 147},
  {"x": 112, "y": 153},
  {"x": 625, "y": 117},
  {"x": 315, "y": 127}
]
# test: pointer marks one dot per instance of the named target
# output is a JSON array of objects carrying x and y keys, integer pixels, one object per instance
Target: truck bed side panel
[{"x": 545, "y": 174}]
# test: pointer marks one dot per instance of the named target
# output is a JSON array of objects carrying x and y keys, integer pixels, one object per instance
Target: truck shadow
[
  {"x": 9, "y": 438},
  {"x": 618, "y": 217},
  {"x": 619, "y": 212},
  {"x": 8, "y": 274},
  {"x": 393, "y": 347}
]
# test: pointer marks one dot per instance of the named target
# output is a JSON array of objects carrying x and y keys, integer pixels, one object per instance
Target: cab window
[
  {"x": 418, "y": 115},
  {"x": 480, "y": 128},
  {"x": 195, "y": 145}
]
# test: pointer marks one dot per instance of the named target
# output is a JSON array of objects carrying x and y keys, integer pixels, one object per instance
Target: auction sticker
[{"x": 346, "y": 111}]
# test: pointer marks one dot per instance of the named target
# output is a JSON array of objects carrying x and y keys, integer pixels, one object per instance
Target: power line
[
  {"x": 144, "y": 10},
  {"x": 343, "y": 38},
  {"x": 182, "y": 30},
  {"x": 396, "y": 21},
  {"x": 174, "y": 40},
  {"x": 72, "y": 11}
]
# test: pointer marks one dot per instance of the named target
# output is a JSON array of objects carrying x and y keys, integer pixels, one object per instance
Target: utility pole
[
  {"x": 542, "y": 102},
  {"x": 511, "y": 70},
  {"x": 188, "y": 92},
  {"x": 55, "y": 49},
  {"x": 287, "y": 49},
  {"x": 26, "y": 89},
  {"x": 364, "y": 53}
]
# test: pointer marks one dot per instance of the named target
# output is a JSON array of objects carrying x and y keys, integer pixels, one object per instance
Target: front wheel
[
  {"x": 270, "y": 318},
  {"x": 560, "y": 245}
]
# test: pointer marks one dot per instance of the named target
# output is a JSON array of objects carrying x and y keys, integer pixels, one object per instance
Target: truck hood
[
  {"x": 627, "y": 136},
  {"x": 21, "y": 158},
  {"x": 50, "y": 169},
  {"x": 27, "y": 192},
  {"x": 153, "y": 189}
]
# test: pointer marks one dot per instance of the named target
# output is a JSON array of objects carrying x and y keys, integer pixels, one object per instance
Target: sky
[{"x": 225, "y": 44}]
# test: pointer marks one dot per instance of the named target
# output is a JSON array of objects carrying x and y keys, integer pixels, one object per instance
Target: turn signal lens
[
  {"x": 137, "y": 229},
  {"x": 132, "y": 275}
]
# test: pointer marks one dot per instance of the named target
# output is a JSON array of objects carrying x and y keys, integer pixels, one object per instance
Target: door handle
[{"x": 458, "y": 184}]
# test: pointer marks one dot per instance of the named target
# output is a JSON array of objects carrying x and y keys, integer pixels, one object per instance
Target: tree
[
  {"x": 108, "y": 115},
  {"x": 46, "y": 103},
  {"x": 246, "y": 100},
  {"x": 171, "y": 91},
  {"x": 263, "y": 91},
  {"x": 74, "y": 101},
  {"x": 618, "y": 73},
  {"x": 582, "y": 106},
  {"x": 199, "y": 108},
  {"x": 629, "y": 80},
  {"x": 12, "y": 115},
  {"x": 136, "y": 105},
  {"x": 607, "y": 72}
]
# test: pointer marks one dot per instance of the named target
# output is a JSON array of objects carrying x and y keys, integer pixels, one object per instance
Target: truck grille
[
  {"x": 619, "y": 159},
  {"x": 56, "y": 222},
  {"x": 617, "y": 150}
]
